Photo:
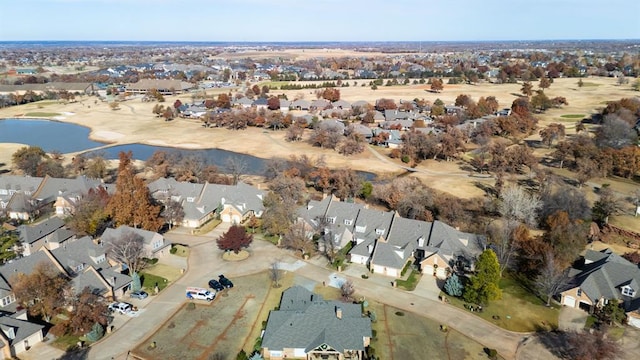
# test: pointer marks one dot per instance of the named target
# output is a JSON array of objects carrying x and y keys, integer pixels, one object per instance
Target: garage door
[
  {"x": 427, "y": 270},
  {"x": 569, "y": 301}
]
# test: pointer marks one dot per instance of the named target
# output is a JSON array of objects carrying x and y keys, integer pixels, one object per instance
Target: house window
[
  {"x": 379, "y": 231},
  {"x": 361, "y": 229},
  {"x": 579, "y": 292},
  {"x": 79, "y": 267},
  {"x": 331, "y": 220},
  {"x": 348, "y": 222},
  {"x": 191, "y": 199},
  {"x": 628, "y": 291}
]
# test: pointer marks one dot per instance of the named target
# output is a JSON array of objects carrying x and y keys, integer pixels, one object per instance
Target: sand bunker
[{"x": 107, "y": 135}]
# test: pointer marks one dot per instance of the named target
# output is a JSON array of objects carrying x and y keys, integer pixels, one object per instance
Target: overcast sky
[{"x": 319, "y": 20}]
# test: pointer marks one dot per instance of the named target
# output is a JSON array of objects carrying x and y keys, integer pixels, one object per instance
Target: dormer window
[
  {"x": 361, "y": 229},
  {"x": 348, "y": 222},
  {"x": 331, "y": 220},
  {"x": 379, "y": 231},
  {"x": 191, "y": 199},
  {"x": 628, "y": 291}
]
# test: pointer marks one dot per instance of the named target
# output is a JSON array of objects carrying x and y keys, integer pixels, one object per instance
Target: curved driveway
[{"x": 205, "y": 262}]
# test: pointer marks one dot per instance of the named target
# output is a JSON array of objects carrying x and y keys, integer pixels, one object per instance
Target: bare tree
[
  {"x": 127, "y": 249},
  {"x": 236, "y": 167},
  {"x": 327, "y": 241},
  {"x": 275, "y": 274},
  {"x": 298, "y": 238},
  {"x": 552, "y": 277},
  {"x": 347, "y": 290},
  {"x": 173, "y": 213},
  {"x": 519, "y": 205}
]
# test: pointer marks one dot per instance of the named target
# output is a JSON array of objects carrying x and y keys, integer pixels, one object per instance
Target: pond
[
  {"x": 67, "y": 138},
  {"x": 49, "y": 135}
]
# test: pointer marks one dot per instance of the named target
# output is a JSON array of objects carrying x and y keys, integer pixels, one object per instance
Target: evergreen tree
[
  {"x": 135, "y": 282},
  {"x": 132, "y": 203},
  {"x": 483, "y": 286},
  {"x": 453, "y": 286},
  {"x": 96, "y": 333}
]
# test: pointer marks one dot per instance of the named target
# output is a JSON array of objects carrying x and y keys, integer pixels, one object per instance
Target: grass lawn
[
  {"x": 271, "y": 302},
  {"x": 627, "y": 222},
  {"x": 66, "y": 342},
  {"x": 403, "y": 335},
  {"x": 42, "y": 114},
  {"x": 573, "y": 116},
  {"x": 411, "y": 282},
  {"x": 208, "y": 226},
  {"x": 181, "y": 250},
  {"x": 518, "y": 310},
  {"x": 150, "y": 280}
]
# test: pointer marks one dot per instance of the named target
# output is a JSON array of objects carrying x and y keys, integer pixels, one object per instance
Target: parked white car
[{"x": 121, "y": 307}]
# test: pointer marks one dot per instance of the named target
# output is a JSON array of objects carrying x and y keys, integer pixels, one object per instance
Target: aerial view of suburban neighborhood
[{"x": 329, "y": 188}]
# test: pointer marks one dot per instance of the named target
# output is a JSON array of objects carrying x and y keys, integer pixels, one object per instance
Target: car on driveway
[
  {"x": 215, "y": 285},
  {"x": 139, "y": 294},
  {"x": 224, "y": 281},
  {"x": 120, "y": 307}
]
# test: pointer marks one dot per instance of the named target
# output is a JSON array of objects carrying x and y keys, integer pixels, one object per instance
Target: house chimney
[{"x": 339, "y": 312}]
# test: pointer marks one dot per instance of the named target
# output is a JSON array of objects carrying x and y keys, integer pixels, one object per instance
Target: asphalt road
[{"x": 205, "y": 262}]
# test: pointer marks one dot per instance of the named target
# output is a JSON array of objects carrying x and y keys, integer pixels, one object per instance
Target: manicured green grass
[
  {"x": 573, "y": 116},
  {"x": 411, "y": 282},
  {"x": 518, "y": 310},
  {"x": 149, "y": 281},
  {"x": 181, "y": 250},
  {"x": 42, "y": 114}
]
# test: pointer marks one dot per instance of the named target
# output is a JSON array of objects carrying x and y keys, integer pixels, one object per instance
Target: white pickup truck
[{"x": 199, "y": 293}]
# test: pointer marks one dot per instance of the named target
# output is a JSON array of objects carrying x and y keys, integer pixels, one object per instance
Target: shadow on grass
[{"x": 555, "y": 341}]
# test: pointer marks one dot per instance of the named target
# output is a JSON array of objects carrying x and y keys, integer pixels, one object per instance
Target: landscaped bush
[
  {"x": 491, "y": 353},
  {"x": 399, "y": 313},
  {"x": 151, "y": 261},
  {"x": 365, "y": 276},
  {"x": 173, "y": 250},
  {"x": 405, "y": 159}
]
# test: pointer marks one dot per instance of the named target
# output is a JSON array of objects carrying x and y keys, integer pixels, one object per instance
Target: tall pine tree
[
  {"x": 132, "y": 204},
  {"x": 483, "y": 286}
]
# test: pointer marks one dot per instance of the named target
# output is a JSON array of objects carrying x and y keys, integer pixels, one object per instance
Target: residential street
[{"x": 205, "y": 262}]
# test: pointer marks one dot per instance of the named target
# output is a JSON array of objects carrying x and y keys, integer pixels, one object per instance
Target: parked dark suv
[
  {"x": 215, "y": 285},
  {"x": 224, "y": 281}
]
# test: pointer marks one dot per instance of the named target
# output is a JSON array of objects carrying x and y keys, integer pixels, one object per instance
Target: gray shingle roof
[
  {"x": 603, "y": 276},
  {"x": 22, "y": 329},
  {"x": 311, "y": 323},
  {"x": 32, "y": 233},
  {"x": 51, "y": 188}
]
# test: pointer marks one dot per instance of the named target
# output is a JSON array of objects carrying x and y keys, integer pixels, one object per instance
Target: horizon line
[{"x": 327, "y": 41}]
